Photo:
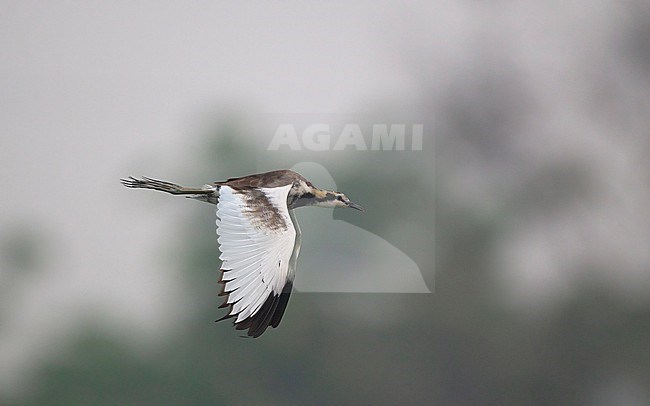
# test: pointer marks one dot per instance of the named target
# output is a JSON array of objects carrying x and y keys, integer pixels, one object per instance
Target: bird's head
[
  {"x": 328, "y": 198},
  {"x": 309, "y": 195}
]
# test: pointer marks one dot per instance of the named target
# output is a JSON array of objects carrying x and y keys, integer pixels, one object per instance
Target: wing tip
[{"x": 268, "y": 315}]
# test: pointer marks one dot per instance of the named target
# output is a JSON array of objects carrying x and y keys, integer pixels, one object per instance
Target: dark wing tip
[
  {"x": 268, "y": 315},
  {"x": 282, "y": 305}
]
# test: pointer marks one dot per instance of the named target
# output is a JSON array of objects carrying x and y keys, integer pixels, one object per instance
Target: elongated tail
[{"x": 207, "y": 193}]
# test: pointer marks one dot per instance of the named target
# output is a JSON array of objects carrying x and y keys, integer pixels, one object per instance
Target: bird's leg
[{"x": 148, "y": 183}]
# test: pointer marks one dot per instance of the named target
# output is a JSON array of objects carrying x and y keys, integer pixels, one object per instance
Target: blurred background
[{"x": 527, "y": 210}]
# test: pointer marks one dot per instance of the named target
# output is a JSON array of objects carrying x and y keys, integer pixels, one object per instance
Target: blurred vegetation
[{"x": 461, "y": 345}]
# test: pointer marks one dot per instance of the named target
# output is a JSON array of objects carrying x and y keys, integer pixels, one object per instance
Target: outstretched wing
[{"x": 257, "y": 239}]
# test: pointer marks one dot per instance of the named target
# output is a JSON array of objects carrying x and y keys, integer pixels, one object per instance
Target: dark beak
[{"x": 355, "y": 206}]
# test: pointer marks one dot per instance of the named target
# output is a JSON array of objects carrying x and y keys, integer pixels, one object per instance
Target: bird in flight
[{"x": 259, "y": 238}]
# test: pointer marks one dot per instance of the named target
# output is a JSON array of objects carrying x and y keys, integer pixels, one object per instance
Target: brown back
[{"x": 271, "y": 179}]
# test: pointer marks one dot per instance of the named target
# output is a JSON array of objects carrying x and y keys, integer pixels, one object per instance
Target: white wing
[{"x": 257, "y": 240}]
